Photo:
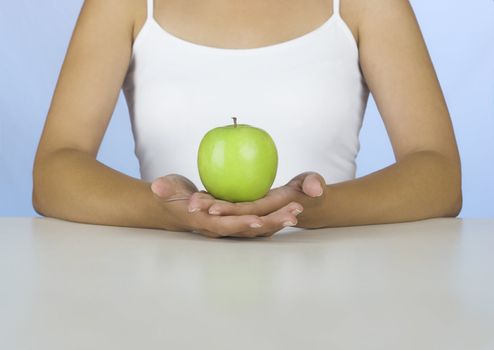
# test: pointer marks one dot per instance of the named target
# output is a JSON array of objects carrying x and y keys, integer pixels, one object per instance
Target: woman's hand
[
  {"x": 307, "y": 189},
  {"x": 175, "y": 192}
]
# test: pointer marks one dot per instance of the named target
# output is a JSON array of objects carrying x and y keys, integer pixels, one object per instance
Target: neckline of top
[{"x": 213, "y": 49}]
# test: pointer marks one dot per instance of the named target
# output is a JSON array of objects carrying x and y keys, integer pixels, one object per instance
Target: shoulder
[
  {"x": 363, "y": 16},
  {"x": 129, "y": 13},
  {"x": 385, "y": 14},
  {"x": 120, "y": 8}
]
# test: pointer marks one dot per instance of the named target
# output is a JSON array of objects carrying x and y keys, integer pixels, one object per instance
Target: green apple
[{"x": 238, "y": 162}]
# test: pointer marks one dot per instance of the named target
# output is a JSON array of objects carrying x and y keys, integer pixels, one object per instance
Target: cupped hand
[
  {"x": 307, "y": 189},
  {"x": 175, "y": 192}
]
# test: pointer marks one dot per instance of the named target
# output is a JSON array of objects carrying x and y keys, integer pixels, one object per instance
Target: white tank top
[{"x": 308, "y": 93}]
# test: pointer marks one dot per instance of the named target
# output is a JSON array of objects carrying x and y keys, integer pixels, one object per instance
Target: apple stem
[{"x": 234, "y": 122}]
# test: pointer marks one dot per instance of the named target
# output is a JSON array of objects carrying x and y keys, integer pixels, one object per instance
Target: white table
[{"x": 421, "y": 285}]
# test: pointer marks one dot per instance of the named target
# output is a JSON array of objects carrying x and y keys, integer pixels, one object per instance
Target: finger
[
  {"x": 310, "y": 182},
  {"x": 224, "y": 225},
  {"x": 314, "y": 185},
  {"x": 171, "y": 185},
  {"x": 201, "y": 201},
  {"x": 205, "y": 202},
  {"x": 162, "y": 187},
  {"x": 229, "y": 226},
  {"x": 274, "y": 222},
  {"x": 275, "y": 199},
  {"x": 284, "y": 217}
]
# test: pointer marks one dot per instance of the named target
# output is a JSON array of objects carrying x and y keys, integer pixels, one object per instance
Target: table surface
[{"x": 418, "y": 285}]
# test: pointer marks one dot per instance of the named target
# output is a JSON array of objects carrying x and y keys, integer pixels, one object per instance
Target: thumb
[
  {"x": 173, "y": 185},
  {"x": 163, "y": 187},
  {"x": 314, "y": 185}
]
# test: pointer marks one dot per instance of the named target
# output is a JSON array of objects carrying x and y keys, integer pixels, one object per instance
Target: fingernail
[
  {"x": 288, "y": 223},
  {"x": 320, "y": 193},
  {"x": 214, "y": 212},
  {"x": 255, "y": 225},
  {"x": 296, "y": 212},
  {"x": 193, "y": 210}
]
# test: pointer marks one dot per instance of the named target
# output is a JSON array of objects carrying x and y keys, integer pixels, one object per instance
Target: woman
[{"x": 302, "y": 70}]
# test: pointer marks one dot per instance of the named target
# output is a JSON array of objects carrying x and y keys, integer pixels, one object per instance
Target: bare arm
[
  {"x": 419, "y": 186},
  {"x": 69, "y": 182},
  {"x": 425, "y": 181}
]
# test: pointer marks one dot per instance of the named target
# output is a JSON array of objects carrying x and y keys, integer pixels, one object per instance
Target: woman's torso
[{"x": 288, "y": 67}]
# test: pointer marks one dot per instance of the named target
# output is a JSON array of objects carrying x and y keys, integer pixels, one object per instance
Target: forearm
[
  {"x": 72, "y": 185},
  {"x": 422, "y": 185}
]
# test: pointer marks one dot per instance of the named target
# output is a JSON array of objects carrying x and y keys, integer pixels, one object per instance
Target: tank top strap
[
  {"x": 336, "y": 7},
  {"x": 150, "y": 9}
]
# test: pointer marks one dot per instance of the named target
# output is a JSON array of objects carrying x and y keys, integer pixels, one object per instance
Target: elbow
[
  {"x": 36, "y": 203},
  {"x": 456, "y": 205},
  {"x": 35, "y": 197},
  {"x": 454, "y": 202},
  {"x": 447, "y": 186},
  {"x": 46, "y": 182},
  {"x": 38, "y": 199}
]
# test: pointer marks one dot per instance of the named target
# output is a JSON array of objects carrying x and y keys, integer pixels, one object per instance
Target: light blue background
[{"x": 34, "y": 36}]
